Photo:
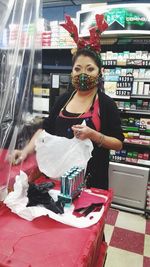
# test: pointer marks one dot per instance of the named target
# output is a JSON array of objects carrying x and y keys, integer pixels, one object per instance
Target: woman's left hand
[{"x": 82, "y": 131}]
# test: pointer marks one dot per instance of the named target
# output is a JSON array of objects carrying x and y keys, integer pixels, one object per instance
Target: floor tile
[
  {"x": 146, "y": 262},
  {"x": 112, "y": 216},
  {"x": 147, "y": 246},
  {"x": 130, "y": 221},
  {"x": 148, "y": 227},
  {"x": 108, "y": 230},
  {"x": 121, "y": 258},
  {"x": 128, "y": 240}
]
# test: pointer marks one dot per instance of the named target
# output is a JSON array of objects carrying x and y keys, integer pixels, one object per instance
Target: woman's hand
[
  {"x": 82, "y": 131},
  {"x": 18, "y": 156}
]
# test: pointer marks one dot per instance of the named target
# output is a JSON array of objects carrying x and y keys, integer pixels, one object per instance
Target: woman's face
[
  {"x": 85, "y": 64},
  {"x": 85, "y": 74}
]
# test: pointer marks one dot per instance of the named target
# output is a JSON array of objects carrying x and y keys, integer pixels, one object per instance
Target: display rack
[{"x": 127, "y": 81}]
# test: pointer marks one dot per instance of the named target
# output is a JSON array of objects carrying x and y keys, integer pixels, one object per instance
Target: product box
[
  {"x": 146, "y": 89},
  {"x": 141, "y": 73},
  {"x": 140, "y": 88},
  {"x": 109, "y": 55},
  {"x": 144, "y": 55},
  {"x": 133, "y": 106},
  {"x": 136, "y": 73},
  {"x": 126, "y": 54},
  {"x": 145, "y": 123},
  {"x": 138, "y": 54},
  {"x": 139, "y": 104},
  {"x": 132, "y": 55},
  {"x": 147, "y": 73},
  {"x": 127, "y": 105},
  {"x": 131, "y": 121},
  {"x": 135, "y": 88},
  {"x": 121, "y": 104},
  {"x": 145, "y": 105}
]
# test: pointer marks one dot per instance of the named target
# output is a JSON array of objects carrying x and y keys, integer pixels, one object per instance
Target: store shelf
[
  {"x": 139, "y": 162},
  {"x": 53, "y": 67},
  {"x": 141, "y": 96},
  {"x": 135, "y": 129},
  {"x": 57, "y": 47},
  {"x": 142, "y": 79},
  {"x": 137, "y": 142},
  {"x": 144, "y": 112}
]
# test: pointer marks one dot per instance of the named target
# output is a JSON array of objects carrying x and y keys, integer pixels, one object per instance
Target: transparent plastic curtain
[{"x": 20, "y": 53}]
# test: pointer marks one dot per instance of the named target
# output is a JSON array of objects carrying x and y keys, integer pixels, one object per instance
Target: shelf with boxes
[
  {"x": 136, "y": 127},
  {"x": 130, "y": 166},
  {"x": 127, "y": 73},
  {"x": 54, "y": 80},
  {"x": 126, "y": 80}
]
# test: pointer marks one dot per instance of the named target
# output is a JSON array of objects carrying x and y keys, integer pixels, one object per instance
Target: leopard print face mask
[{"x": 84, "y": 82}]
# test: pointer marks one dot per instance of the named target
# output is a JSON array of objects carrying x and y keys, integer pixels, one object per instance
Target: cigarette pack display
[
  {"x": 146, "y": 89},
  {"x": 140, "y": 88}
]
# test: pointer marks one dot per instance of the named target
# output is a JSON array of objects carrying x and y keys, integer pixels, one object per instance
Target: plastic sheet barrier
[{"x": 20, "y": 53}]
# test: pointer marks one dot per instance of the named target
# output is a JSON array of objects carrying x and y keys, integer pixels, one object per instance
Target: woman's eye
[
  {"x": 77, "y": 69},
  {"x": 90, "y": 69}
]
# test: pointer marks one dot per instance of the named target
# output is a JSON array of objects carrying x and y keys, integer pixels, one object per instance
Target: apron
[{"x": 64, "y": 121}]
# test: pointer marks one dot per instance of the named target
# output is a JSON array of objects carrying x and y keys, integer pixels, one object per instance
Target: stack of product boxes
[
  {"x": 141, "y": 84},
  {"x": 137, "y": 104},
  {"x": 21, "y": 36},
  {"x": 54, "y": 25},
  {"x": 59, "y": 36},
  {"x": 126, "y": 155},
  {"x": 43, "y": 35}
]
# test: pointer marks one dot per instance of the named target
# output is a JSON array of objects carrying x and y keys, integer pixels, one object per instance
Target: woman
[{"x": 89, "y": 104}]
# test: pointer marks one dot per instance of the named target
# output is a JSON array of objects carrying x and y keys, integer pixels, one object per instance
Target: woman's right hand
[{"x": 18, "y": 156}]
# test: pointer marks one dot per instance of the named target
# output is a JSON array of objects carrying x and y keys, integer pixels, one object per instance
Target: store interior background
[
  {"x": 55, "y": 9},
  {"x": 127, "y": 234},
  {"x": 127, "y": 230}
]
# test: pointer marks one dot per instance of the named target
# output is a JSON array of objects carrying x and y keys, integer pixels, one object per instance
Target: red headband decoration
[{"x": 95, "y": 33}]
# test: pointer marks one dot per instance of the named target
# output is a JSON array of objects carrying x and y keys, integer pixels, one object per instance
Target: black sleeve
[
  {"x": 110, "y": 117},
  {"x": 49, "y": 122}
]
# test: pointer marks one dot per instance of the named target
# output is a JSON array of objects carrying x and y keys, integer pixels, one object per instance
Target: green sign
[{"x": 123, "y": 19}]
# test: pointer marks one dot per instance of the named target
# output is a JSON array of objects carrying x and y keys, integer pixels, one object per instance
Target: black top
[{"x": 110, "y": 125}]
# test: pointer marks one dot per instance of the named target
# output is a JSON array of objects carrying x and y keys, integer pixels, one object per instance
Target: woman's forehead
[{"x": 84, "y": 60}]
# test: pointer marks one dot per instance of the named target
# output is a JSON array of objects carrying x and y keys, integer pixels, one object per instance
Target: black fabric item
[{"x": 38, "y": 194}]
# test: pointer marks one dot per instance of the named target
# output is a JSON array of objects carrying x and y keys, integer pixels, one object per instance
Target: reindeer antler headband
[{"x": 93, "y": 43}]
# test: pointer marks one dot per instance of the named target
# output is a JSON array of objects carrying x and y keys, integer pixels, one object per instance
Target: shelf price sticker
[{"x": 123, "y": 92}]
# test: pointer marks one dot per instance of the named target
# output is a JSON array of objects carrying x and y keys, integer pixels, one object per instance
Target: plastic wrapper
[{"x": 20, "y": 54}]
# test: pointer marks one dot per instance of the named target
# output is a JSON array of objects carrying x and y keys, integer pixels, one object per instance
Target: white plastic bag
[{"x": 55, "y": 155}]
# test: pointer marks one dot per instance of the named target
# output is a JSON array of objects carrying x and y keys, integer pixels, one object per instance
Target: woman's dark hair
[{"x": 88, "y": 53}]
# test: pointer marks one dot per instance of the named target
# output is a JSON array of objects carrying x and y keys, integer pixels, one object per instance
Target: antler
[
  {"x": 71, "y": 28},
  {"x": 95, "y": 33},
  {"x": 95, "y": 39},
  {"x": 101, "y": 23}
]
